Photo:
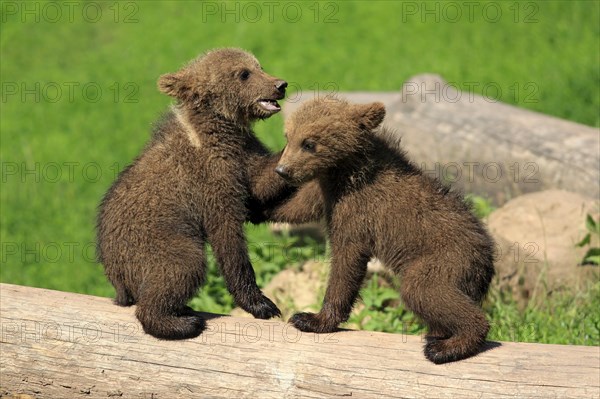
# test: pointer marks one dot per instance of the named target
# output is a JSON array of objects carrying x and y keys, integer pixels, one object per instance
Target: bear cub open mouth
[{"x": 270, "y": 105}]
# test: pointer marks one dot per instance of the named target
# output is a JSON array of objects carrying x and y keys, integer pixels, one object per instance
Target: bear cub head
[
  {"x": 228, "y": 82},
  {"x": 324, "y": 133}
]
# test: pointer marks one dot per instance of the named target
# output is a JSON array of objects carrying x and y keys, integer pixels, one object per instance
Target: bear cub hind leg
[
  {"x": 170, "y": 325},
  {"x": 457, "y": 326}
]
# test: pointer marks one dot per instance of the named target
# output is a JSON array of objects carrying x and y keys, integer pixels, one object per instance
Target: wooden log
[
  {"x": 64, "y": 345},
  {"x": 484, "y": 146}
]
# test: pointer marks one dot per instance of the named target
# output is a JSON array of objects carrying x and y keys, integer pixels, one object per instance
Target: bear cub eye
[
  {"x": 308, "y": 145},
  {"x": 245, "y": 74}
]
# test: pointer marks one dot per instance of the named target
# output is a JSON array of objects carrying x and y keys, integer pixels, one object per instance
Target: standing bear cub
[
  {"x": 379, "y": 204},
  {"x": 203, "y": 174}
]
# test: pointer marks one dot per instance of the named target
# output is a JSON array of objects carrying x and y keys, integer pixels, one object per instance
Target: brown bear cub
[
  {"x": 378, "y": 204},
  {"x": 202, "y": 175}
]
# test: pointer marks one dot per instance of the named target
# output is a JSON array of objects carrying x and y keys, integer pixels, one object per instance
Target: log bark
[
  {"x": 483, "y": 146},
  {"x": 64, "y": 345}
]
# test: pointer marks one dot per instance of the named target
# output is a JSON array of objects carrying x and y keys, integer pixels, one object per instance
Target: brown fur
[
  {"x": 379, "y": 204},
  {"x": 198, "y": 180}
]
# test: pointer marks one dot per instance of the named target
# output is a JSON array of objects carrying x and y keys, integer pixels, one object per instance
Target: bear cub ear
[
  {"x": 369, "y": 116},
  {"x": 172, "y": 84}
]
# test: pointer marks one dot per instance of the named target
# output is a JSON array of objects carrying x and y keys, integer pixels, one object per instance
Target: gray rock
[{"x": 536, "y": 236}]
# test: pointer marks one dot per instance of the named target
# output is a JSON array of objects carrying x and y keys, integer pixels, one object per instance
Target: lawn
[{"x": 79, "y": 99}]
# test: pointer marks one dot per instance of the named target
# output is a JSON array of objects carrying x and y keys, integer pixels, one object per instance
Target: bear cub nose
[
  {"x": 280, "y": 85},
  {"x": 282, "y": 171}
]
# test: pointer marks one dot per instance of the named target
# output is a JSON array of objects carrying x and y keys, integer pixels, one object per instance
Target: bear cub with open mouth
[{"x": 202, "y": 175}]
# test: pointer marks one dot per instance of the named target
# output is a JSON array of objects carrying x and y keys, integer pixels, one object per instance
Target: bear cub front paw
[
  {"x": 311, "y": 322},
  {"x": 262, "y": 308}
]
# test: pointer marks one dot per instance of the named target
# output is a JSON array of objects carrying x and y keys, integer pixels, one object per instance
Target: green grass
[
  {"x": 59, "y": 154},
  {"x": 565, "y": 317}
]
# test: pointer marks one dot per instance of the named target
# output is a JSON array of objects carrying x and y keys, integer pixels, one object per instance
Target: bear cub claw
[
  {"x": 434, "y": 352},
  {"x": 311, "y": 322},
  {"x": 263, "y": 308},
  {"x": 439, "y": 351}
]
